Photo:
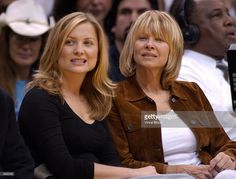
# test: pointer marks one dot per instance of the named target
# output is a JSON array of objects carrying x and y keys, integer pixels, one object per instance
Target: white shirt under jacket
[{"x": 199, "y": 68}]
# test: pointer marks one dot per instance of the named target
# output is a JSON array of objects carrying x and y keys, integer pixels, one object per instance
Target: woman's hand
[
  {"x": 221, "y": 162},
  {"x": 111, "y": 172},
  {"x": 198, "y": 172},
  {"x": 149, "y": 170}
]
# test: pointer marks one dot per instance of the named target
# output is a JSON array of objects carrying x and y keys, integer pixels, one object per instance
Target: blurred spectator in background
[
  {"x": 123, "y": 13},
  {"x": 15, "y": 158},
  {"x": 98, "y": 8},
  {"x": 24, "y": 27},
  {"x": 208, "y": 31}
]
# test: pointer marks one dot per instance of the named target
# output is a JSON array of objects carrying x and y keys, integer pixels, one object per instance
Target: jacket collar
[{"x": 133, "y": 92}]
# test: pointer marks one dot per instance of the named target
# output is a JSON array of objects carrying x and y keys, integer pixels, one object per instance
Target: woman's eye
[
  {"x": 69, "y": 42},
  {"x": 88, "y": 43},
  {"x": 159, "y": 40},
  {"x": 142, "y": 38}
]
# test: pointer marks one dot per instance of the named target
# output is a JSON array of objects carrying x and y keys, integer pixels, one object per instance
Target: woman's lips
[{"x": 78, "y": 61}]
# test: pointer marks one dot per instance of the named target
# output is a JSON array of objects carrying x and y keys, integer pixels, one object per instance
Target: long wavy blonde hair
[
  {"x": 97, "y": 87},
  {"x": 163, "y": 26}
]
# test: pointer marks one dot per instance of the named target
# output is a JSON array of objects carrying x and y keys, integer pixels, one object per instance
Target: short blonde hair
[
  {"x": 162, "y": 25},
  {"x": 96, "y": 87}
]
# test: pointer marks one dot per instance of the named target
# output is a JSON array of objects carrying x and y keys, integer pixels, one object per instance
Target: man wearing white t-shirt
[{"x": 208, "y": 30}]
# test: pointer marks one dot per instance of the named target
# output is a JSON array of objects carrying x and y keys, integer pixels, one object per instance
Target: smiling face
[
  {"x": 217, "y": 27},
  {"x": 80, "y": 51}
]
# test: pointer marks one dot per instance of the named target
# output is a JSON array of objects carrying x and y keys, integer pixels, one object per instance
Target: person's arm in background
[{"x": 15, "y": 156}]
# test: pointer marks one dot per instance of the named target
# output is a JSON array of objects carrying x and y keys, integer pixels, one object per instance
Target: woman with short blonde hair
[
  {"x": 161, "y": 25},
  {"x": 157, "y": 120}
]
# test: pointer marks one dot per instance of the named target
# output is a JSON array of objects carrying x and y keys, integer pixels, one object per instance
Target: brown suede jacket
[{"x": 138, "y": 146}]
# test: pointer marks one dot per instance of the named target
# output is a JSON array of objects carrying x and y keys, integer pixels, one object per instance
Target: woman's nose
[
  {"x": 149, "y": 43},
  {"x": 78, "y": 50}
]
